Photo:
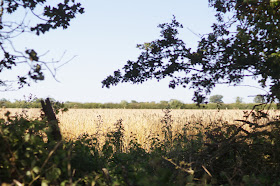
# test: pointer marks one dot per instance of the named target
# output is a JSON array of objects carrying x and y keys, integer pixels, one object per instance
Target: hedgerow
[{"x": 219, "y": 155}]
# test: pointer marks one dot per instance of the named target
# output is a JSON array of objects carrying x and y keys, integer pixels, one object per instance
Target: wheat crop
[{"x": 142, "y": 124}]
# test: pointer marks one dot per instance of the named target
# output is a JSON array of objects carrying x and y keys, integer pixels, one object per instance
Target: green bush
[{"x": 218, "y": 155}]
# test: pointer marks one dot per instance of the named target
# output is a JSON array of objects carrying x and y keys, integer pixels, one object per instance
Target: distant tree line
[{"x": 173, "y": 104}]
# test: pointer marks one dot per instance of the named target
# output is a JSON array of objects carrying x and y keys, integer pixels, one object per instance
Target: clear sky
[{"x": 104, "y": 38}]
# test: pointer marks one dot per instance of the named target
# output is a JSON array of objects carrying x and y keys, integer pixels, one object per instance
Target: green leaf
[
  {"x": 36, "y": 169},
  {"x": 53, "y": 174},
  {"x": 28, "y": 173},
  {"x": 45, "y": 183},
  {"x": 26, "y": 137}
]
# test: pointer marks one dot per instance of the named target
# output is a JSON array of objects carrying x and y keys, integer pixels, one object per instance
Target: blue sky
[{"x": 104, "y": 38}]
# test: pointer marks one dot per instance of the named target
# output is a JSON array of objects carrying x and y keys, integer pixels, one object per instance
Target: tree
[
  {"x": 259, "y": 99},
  {"x": 176, "y": 104},
  {"x": 238, "y": 99},
  {"x": 245, "y": 42},
  {"x": 216, "y": 99},
  {"x": 124, "y": 103},
  {"x": 33, "y": 16},
  {"x": 3, "y": 102}
]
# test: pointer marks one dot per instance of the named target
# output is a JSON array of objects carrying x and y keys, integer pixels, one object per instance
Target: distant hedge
[{"x": 173, "y": 104}]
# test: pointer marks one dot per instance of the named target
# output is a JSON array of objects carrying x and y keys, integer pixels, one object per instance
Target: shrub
[{"x": 219, "y": 155}]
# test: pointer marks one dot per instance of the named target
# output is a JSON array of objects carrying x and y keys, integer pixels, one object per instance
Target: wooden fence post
[{"x": 52, "y": 121}]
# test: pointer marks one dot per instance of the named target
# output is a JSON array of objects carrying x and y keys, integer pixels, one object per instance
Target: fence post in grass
[{"x": 52, "y": 121}]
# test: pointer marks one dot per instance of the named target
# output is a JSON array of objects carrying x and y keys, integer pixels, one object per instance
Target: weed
[{"x": 199, "y": 154}]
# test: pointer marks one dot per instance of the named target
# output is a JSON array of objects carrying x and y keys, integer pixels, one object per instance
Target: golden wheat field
[{"x": 142, "y": 124}]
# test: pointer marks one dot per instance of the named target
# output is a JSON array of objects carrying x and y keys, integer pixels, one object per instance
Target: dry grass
[{"x": 142, "y": 124}]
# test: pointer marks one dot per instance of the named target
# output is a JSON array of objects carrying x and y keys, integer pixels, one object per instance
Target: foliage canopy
[
  {"x": 238, "y": 100},
  {"x": 35, "y": 16},
  {"x": 216, "y": 99},
  {"x": 259, "y": 99},
  {"x": 244, "y": 43}
]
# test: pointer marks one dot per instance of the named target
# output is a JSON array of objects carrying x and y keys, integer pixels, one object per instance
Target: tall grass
[{"x": 142, "y": 125}]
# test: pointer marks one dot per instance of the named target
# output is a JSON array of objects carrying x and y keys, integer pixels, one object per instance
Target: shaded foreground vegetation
[
  {"x": 219, "y": 154},
  {"x": 173, "y": 104}
]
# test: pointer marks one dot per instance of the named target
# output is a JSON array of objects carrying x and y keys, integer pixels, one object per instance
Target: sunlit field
[{"x": 142, "y": 125}]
